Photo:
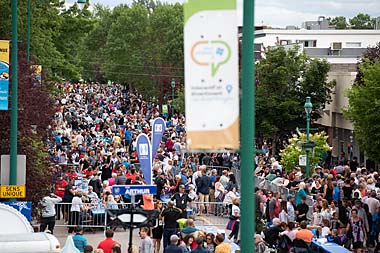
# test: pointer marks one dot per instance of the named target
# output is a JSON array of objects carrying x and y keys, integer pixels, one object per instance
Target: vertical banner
[
  {"x": 211, "y": 74},
  {"x": 4, "y": 74},
  {"x": 144, "y": 152},
  {"x": 158, "y": 129}
]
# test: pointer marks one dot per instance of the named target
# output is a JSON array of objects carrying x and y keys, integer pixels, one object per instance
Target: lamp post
[
  {"x": 173, "y": 87},
  {"x": 81, "y": 4},
  {"x": 308, "y": 107}
]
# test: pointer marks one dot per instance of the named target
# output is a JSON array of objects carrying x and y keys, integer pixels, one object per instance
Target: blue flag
[
  {"x": 144, "y": 152},
  {"x": 158, "y": 130}
]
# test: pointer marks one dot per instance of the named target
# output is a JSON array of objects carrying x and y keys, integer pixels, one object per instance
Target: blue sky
[{"x": 279, "y": 13}]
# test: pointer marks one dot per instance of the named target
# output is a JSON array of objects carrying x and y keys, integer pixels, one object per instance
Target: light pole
[
  {"x": 308, "y": 107},
  {"x": 173, "y": 87}
]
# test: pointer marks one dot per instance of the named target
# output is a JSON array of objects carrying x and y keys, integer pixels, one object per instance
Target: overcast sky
[{"x": 279, "y": 13}]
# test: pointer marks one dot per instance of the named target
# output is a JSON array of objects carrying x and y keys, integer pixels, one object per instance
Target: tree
[
  {"x": 371, "y": 55},
  {"x": 362, "y": 21},
  {"x": 339, "y": 22},
  {"x": 363, "y": 109},
  {"x": 179, "y": 101},
  {"x": 284, "y": 79},
  {"x": 290, "y": 154}
]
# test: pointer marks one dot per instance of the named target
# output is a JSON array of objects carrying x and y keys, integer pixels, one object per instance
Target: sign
[
  {"x": 133, "y": 189},
  {"x": 21, "y": 169},
  {"x": 302, "y": 160},
  {"x": 211, "y": 74},
  {"x": 12, "y": 191},
  {"x": 158, "y": 129},
  {"x": 24, "y": 207},
  {"x": 165, "y": 109},
  {"x": 4, "y": 74},
  {"x": 144, "y": 153}
]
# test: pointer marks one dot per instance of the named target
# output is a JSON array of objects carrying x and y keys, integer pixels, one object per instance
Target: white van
[{"x": 29, "y": 243}]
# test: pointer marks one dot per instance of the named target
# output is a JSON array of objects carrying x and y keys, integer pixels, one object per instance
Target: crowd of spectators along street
[
  {"x": 93, "y": 139},
  {"x": 344, "y": 200}
]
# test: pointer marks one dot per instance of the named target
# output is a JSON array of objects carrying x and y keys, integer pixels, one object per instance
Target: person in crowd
[
  {"x": 173, "y": 247},
  {"x": 302, "y": 210},
  {"x": 88, "y": 249},
  {"x": 203, "y": 188},
  {"x": 146, "y": 243},
  {"x": 358, "y": 231},
  {"x": 79, "y": 240},
  {"x": 181, "y": 199},
  {"x": 304, "y": 233},
  {"x": 290, "y": 231},
  {"x": 222, "y": 246},
  {"x": 107, "y": 244},
  {"x": 188, "y": 244},
  {"x": 158, "y": 230},
  {"x": 49, "y": 212},
  {"x": 169, "y": 216},
  {"x": 200, "y": 246},
  {"x": 210, "y": 242},
  {"x": 75, "y": 211},
  {"x": 190, "y": 229}
]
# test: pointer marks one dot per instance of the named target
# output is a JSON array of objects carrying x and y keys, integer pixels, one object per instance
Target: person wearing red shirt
[
  {"x": 132, "y": 175},
  {"x": 106, "y": 244},
  {"x": 59, "y": 190}
]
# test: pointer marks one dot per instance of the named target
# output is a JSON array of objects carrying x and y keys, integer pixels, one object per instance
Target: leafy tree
[
  {"x": 340, "y": 22},
  {"x": 362, "y": 21},
  {"x": 290, "y": 154},
  {"x": 179, "y": 101},
  {"x": 284, "y": 79},
  {"x": 371, "y": 55},
  {"x": 363, "y": 109}
]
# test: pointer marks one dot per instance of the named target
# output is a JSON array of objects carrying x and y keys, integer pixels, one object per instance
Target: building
[{"x": 342, "y": 49}]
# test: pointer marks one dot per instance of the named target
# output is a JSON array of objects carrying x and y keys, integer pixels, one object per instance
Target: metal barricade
[
  {"x": 217, "y": 214},
  {"x": 90, "y": 216}
]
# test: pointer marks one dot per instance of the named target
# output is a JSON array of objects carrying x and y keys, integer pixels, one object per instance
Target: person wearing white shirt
[
  {"x": 76, "y": 208},
  {"x": 48, "y": 212}
]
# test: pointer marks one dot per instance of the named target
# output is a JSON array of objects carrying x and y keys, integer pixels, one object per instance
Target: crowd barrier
[{"x": 262, "y": 183}]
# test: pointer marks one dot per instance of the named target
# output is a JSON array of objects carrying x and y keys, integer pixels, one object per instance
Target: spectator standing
[
  {"x": 48, "y": 212},
  {"x": 290, "y": 208},
  {"x": 200, "y": 248},
  {"x": 203, "y": 188},
  {"x": 173, "y": 247},
  {"x": 170, "y": 216},
  {"x": 358, "y": 231},
  {"x": 222, "y": 246},
  {"x": 79, "y": 240},
  {"x": 181, "y": 199},
  {"x": 146, "y": 244},
  {"x": 106, "y": 244},
  {"x": 75, "y": 210},
  {"x": 302, "y": 210}
]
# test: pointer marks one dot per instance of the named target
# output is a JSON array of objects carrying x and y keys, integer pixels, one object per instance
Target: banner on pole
[
  {"x": 4, "y": 74},
  {"x": 158, "y": 130},
  {"x": 144, "y": 152},
  {"x": 211, "y": 74}
]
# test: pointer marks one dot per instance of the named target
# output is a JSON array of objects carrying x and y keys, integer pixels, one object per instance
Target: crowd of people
[
  {"x": 339, "y": 203},
  {"x": 93, "y": 144}
]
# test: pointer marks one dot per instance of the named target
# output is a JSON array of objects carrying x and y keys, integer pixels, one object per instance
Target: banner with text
[
  {"x": 144, "y": 153},
  {"x": 211, "y": 74},
  {"x": 4, "y": 74},
  {"x": 158, "y": 129}
]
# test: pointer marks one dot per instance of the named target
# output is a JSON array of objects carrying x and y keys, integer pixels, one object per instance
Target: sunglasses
[{"x": 208, "y": 238}]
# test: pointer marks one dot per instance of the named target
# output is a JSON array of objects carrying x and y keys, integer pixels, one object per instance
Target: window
[
  {"x": 353, "y": 44},
  {"x": 310, "y": 43}
]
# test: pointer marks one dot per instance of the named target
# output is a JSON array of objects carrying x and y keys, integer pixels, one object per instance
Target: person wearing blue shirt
[
  {"x": 79, "y": 240},
  {"x": 301, "y": 193}
]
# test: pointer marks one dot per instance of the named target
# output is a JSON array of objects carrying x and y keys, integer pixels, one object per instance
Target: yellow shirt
[{"x": 224, "y": 247}]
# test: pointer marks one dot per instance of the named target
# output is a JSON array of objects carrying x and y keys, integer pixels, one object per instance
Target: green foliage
[
  {"x": 284, "y": 79},
  {"x": 179, "y": 101},
  {"x": 340, "y": 22},
  {"x": 364, "y": 107},
  {"x": 290, "y": 154},
  {"x": 362, "y": 21}
]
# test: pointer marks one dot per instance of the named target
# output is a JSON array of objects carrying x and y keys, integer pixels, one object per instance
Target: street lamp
[
  {"x": 173, "y": 87},
  {"x": 308, "y": 108},
  {"x": 81, "y": 4}
]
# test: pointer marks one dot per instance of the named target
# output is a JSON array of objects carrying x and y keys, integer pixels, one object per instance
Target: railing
[{"x": 262, "y": 183}]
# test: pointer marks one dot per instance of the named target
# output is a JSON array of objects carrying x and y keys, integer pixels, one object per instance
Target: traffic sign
[
  {"x": 13, "y": 191},
  {"x": 134, "y": 189}
]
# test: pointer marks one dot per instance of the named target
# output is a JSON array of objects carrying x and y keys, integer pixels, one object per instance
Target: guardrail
[{"x": 262, "y": 183}]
